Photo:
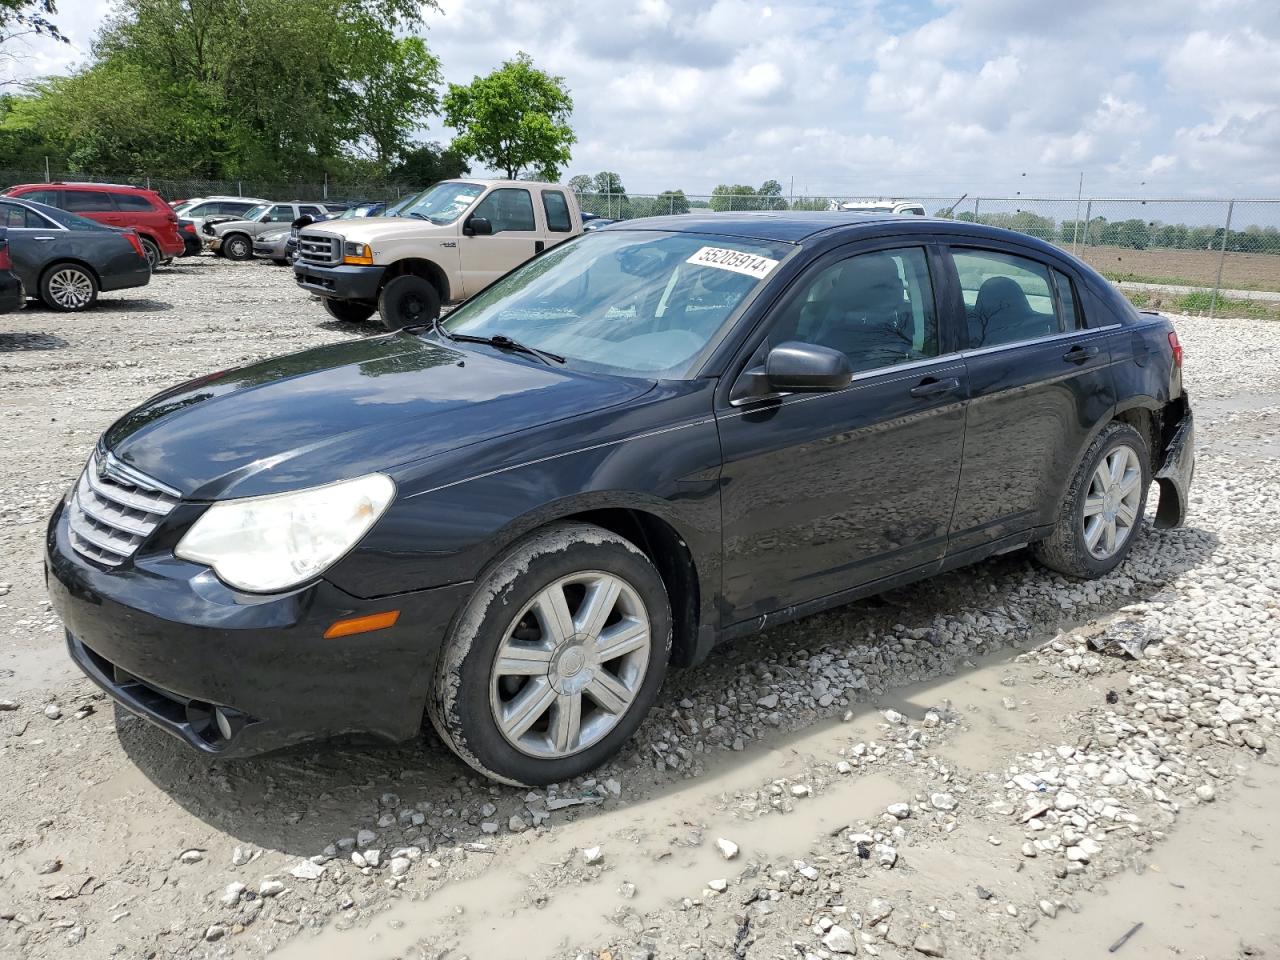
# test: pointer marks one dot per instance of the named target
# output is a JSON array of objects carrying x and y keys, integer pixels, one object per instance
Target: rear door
[
  {"x": 825, "y": 492},
  {"x": 1039, "y": 379},
  {"x": 557, "y": 216},
  {"x": 516, "y": 237},
  {"x": 92, "y": 203}
]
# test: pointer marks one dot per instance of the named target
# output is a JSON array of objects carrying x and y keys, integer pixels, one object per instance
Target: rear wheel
[
  {"x": 152, "y": 251},
  {"x": 237, "y": 247},
  {"x": 407, "y": 300},
  {"x": 556, "y": 659},
  {"x": 1102, "y": 512},
  {"x": 348, "y": 311},
  {"x": 68, "y": 287}
]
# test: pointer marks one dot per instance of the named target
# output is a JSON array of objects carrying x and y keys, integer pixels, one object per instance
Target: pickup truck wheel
[
  {"x": 348, "y": 311},
  {"x": 237, "y": 246},
  {"x": 407, "y": 300},
  {"x": 1101, "y": 514},
  {"x": 556, "y": 658}
]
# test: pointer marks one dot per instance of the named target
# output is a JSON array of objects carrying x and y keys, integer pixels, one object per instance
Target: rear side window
[
  {"x": 87, "y": 201},
  {"x": 311, "y": 211},
  {"x": 876, "y": 308},
  {"x": 507, "y": 209},
  {"x": 557, "y": 210},
  {"x": 18, "y": 218},
  {"x": 1006, "y": 298},
  {"x": 1068, "y": 311},
  {"x": 134, "y": 202}
]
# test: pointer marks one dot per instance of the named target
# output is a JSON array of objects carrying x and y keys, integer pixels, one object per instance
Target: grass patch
[{"x": 1199, "y": 302}]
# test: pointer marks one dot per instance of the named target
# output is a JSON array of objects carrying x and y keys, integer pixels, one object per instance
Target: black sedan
[
  {"x": 12, "y": 295},
  {"x": 641, "y": 443},
  {"x": 66, "y": 260}
]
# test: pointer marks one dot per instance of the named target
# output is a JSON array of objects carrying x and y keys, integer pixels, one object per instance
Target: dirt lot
[
  {"x": 1245, "y": 271},
  {"x": 951, "y": 770}
]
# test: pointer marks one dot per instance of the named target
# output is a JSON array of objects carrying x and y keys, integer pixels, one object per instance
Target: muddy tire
[
  {"x": 237, "y": 246},
  {"x": 348, "y": 311},
  {"x": 408, "y": 300},
  {"x": 556, "y": 658},
  {"x": 1101, "y": 514}
]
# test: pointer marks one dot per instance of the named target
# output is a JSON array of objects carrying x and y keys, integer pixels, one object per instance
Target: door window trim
[{"x": 1036, "y": 341}]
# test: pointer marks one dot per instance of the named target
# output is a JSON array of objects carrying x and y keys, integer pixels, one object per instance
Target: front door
[
  {"x": 1039, "y": 379},
  {"x": 828, "y": 491},
  {"x": 515, "y": 238}
]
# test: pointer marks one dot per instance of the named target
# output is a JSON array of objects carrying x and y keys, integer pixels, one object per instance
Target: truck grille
[
  {"x": 319, "y": 248},
  {"x": 115, "y": 508}
]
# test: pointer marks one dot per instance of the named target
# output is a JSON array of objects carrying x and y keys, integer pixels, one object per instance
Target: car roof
[{"x": 799, "y": 226}]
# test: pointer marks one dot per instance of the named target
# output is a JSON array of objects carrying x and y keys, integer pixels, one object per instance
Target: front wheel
[
  {"x": 237, "y": 247},
  {"x": 556, "y": 659},
  {"x": 408, "y": 300},
  {"x": 348, "y": 311},
  {"x": 1102, "y": 512}
]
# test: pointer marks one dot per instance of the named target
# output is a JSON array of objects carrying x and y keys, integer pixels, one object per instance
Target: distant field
[
  {"x": 1199, "y": 303},
  {"x": 1199, "y": 268}
]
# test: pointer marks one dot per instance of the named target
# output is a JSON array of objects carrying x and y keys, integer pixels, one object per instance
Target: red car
[{"x": 116, "y": 205}]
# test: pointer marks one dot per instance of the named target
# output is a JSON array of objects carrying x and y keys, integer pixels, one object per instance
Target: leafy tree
[
  {"x": 515, "y": 118},
  {"x": 430, "y": 163},
  {"x": 770, "y": 193},
  {"x": 23, "y": 17},
  {"x": 395, "y": 91},
  {"x": 581, "y": 183},
  {"x": 608, "y": 183},
  {"x": 736, "y": 196},
  {"x": 671, "y": 201}
]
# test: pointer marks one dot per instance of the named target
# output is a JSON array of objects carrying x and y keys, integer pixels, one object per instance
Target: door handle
[
  {"x": 929, "y": 387},
  {"x": 1079, "y": 354},
  {"x": 538, "y": 246},
  {"x": 44, "y": 238}
]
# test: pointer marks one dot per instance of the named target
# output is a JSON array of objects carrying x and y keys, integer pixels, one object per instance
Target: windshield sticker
[{"x": 735, "y": 260}]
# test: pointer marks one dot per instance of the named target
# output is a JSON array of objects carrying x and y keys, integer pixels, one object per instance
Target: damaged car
[{"x": 646, "y": 441}]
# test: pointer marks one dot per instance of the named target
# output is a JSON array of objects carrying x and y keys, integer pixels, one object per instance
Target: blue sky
[{"x": 1145, "y": 97}]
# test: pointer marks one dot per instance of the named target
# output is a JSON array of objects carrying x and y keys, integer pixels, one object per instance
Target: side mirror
[
  {"x": 477, "y": 227},
  {"x": 794, "y": 367}
]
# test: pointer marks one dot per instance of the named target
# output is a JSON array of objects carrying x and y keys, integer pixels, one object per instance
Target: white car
[
  {"x": 199, "y": 209},
  {"x": 884, "y": 206}
]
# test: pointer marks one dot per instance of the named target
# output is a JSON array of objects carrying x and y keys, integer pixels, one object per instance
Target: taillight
[
  {"x": 6, "y": 262},
  {"x": 1177, "y": 350},
  {"x": 136, "y": 244}
]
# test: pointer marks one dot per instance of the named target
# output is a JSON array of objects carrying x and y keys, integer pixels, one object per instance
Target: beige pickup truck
[{"x": 448, "y": 243}]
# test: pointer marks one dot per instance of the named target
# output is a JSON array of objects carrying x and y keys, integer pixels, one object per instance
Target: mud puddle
[{"x": 1185, "y": 906}]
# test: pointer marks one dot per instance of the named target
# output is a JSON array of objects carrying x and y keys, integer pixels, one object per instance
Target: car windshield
[
  {"x": 253, "y": 213},
  {"x": 630, "y": 302},
  {"x": 443, "y": 203},
  {"x": 397, "y": 209}
]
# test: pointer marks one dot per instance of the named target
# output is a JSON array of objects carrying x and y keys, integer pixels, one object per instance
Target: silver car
[
  {"x": 234, "y": 238},
  {"x": 273, "y": 246},
  {"x": 200, "y": 209}
]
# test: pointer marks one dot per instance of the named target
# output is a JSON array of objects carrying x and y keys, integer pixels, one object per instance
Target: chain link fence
[{"x": 1195, "y": 256}]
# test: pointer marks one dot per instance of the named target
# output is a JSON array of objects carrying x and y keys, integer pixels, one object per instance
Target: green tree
[
  {"x": 22, "y": 17},
  {"x": 770, "y": 193},
  {"x": 430, "y": 163},
  {"x": 515, "y": 118},
  {"x": 736, "y": 196},
  {"x": 393, "y": 94},
  {"x": 608, "y": 183},
  {"x": 671, "y": 201},
  {"x": 581, "y": 183}
]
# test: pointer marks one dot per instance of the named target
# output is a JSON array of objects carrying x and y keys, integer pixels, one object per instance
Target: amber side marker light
[{"x": 366, "y": 624}]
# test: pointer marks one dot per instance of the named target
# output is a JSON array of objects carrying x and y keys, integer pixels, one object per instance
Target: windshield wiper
[
  {"x": 501, "y": 341},
  {"x": 415, "y": 213}
]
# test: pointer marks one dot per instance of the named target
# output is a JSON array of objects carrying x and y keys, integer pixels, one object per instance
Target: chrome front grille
[
  {"x": 319, "y": 248},
  {"x": 114, "y": 508}
]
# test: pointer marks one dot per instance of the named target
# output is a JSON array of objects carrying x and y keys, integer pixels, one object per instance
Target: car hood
[
  {"x": 343, "y": 411},
  {"x": 372, "y": 229}
]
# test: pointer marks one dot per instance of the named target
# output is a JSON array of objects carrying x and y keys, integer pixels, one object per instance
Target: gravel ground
[{"x": 966, "y": 770}]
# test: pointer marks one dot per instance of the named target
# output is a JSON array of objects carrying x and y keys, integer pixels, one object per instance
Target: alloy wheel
[
  {"x": 1112, "y": 502},
  {"x": 570, "y": 665},
  {"x": 71, "y": 289},
  {"x": 237, "y": 248}
]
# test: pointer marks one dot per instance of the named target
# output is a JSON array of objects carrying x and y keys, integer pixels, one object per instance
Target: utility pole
[
  {"x": 1075, "y": 229},
  {"x": 47, "y": 178}
]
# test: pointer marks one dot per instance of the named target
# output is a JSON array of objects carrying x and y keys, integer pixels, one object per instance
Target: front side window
[
  {"x": 556, "y": 208},
  {"x": 87, "y": 201},
  {"x": 255, "y": 212},
  {"x": 876, "y": 308},
  {"x": 280, "y": 213},
  {"x": 507, "y": 209},
  {"x": 444, "y": 203},
  {"x": 1007, "y": 298},
  {"x": 629, "y": 302},
  {"x": 134, "y": 202}
]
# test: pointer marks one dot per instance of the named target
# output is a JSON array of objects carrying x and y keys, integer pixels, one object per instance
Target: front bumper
[
  {"x": 339, "y": 282},
  {"x": 1177, "y": 467},
  {"x": 173, "y": 645},
  {"x": 273, "y": 250}
]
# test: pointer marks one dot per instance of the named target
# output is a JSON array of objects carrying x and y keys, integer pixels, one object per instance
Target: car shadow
[
  {"x": 355, "y": 329},
  {"x": 19, "y": 342},
  {"x": 136, "y": 306},
  {"x": 301, "y": 800}
]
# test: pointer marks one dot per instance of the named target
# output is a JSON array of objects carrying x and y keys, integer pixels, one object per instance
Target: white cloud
[{"x": 990, "y": 96}]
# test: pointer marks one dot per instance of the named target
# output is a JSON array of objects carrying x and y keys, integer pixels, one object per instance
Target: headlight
[
  {"x": 357, "y": 253},
  {"x": 264, "y": 544}
]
